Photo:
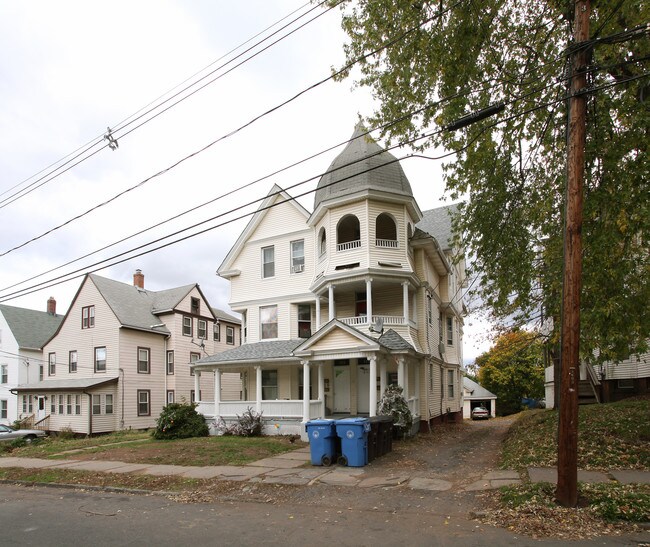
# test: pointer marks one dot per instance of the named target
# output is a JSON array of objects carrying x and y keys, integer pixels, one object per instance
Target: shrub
[
  {"x": 180, "y": 421},
  {"x": 249, "y": 424},
  {"x": 393, "y": 404},
  {"x": 66, "y": 434}
]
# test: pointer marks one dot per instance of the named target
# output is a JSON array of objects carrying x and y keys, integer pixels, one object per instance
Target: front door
[
  {"x": 363, "y": 389},
  {"x": 40, "y": 408},
  {"x": 341, "y": 389}
]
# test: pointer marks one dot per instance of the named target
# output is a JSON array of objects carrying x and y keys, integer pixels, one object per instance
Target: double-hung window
[
  {"x": 268, "y": 261},
  {"x": 51, "y": 361},
  {"x": 230, "y": 336},
  {"x": 144, "y": 360},
  {"x": 3, "y": 409},
  {"x": 187, "y": 326},
  {"x": 304, "y": 320},
  {"x": 144, "y": 408},
  {"x": 298, "y": 256},
  {"x": 269, "y": 322},
  {"x": 450, "y": 384},
  {"x": 60, "y": 404},
  {"x": 72, "y": 361},
  {"x": 170, "y": 362},
  {"x": 100, "y": 359},
  {"x": 269, "y": 385},
  {"x": 108, "y": 406},
  {"x": 97, "y": 404},
  {"x": 202, "y": 329},
  {"x": 4, "y": 374},
  {"x": 87, "y": 317},
  {"x": 216, "y": 332},
  {"x": 77, "y": 404},
  {"x": 68, "y": 404},
  {"x": 450, "y": 331},
  {"x": 194, "y": 357}
]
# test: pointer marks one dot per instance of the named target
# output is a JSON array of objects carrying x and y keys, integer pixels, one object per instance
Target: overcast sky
[{"x": 69, "y": 70}]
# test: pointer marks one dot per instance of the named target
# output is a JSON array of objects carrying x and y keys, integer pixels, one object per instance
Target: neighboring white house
[
  {"x": 122, "y": 352},
  {"x": 339, "y": 302},
  {"x": 476, "y": 395},
  {"x": 23, "y": 332},
  {"x": 607, "y": 382}
]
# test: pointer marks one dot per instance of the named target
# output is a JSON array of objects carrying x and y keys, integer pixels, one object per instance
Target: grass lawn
[
  {"x": 139, "y": 447},
  {"x": 610, "y": 437}
]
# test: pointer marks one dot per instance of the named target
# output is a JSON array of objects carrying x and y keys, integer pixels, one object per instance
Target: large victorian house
[{"x": 336, "y": 304}]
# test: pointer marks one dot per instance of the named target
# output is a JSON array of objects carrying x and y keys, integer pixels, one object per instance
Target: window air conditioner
[{"x": 298, "y": 268}]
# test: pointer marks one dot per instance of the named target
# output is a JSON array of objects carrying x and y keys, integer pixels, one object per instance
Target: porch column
[
  {"x": 369, "y": 300},
  {"x": 382, "y": 376},
  {"x": 305, "y": 391},
  {"x": 405, "y": 300},
  {"x": 373, "y": 386},
  {"x": 407, "y": 383},
  {"x": 330, "y": 295},
  {"x": 197, "y": 387},
  {"x": 217, "y": 392},
  {"x": 321, "y": 389},
  {"x": 400, "y": 374},
  {"x": 258, "y": 389},
  {"x": 317, "y": 312}
]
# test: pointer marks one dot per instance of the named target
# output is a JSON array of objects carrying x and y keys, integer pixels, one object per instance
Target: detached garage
[{"x": 475, "y": 395}]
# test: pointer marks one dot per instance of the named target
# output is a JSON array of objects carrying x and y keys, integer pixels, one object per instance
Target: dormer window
[
  {"x": 196, "y": 306},
  {"x": 348, "y": 233},
  {"x": 386, "y": 231}
]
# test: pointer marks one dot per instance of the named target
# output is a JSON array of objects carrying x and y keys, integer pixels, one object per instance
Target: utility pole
[{"x": 567, "y": 471}]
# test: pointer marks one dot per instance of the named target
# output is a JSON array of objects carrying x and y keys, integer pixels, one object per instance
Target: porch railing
[
  {"x": 281, "y": 408},
  {"x": 387, "y": 243},
  {"x": 43, "y": 423},
  {"x": 363, "y": 320}
]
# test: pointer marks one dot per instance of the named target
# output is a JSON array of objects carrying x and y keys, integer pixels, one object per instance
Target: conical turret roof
[{"x": 362, "y": 165}]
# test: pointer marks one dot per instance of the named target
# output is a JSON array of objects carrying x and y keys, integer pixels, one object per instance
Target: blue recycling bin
[
  {"x": 323, "y": 441},
  {"x": 353, "y": 433}
]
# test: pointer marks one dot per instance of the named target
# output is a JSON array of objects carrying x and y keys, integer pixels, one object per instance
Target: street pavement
[{"x": 294, "y": 468}]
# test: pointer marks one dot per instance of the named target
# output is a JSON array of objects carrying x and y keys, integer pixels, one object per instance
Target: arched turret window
[
  {"x": 322, "y": 242},
  {"x": 348, "y": 233},
  {"x": 386, "y": 231}
]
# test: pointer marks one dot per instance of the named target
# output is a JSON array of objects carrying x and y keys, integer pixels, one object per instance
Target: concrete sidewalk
[{"x": 293, "y": 468}]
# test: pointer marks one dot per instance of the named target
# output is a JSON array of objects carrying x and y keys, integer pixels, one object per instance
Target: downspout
[
  {"x": 122, "y": 399},
  {"x": 90, "y": 412}
]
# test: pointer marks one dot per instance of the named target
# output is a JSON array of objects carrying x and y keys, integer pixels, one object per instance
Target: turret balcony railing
[
  {"x": 348, "y": 245},
  {"x": 387, "y": 243}
]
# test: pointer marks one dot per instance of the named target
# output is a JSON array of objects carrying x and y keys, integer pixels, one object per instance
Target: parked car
[
  {"x": 8, "y": 433},
  {"x": 480, "y": 413}
]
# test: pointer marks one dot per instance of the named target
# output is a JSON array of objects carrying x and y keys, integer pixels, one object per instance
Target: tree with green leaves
[
  {"x": 434, "y": 63},
  {"x": 513, "y": 369}
]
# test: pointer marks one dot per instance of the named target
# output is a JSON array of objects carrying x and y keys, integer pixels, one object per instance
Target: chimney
[
  {"x": 51, "y": 306},
  {"x": 138, "y": 279}
]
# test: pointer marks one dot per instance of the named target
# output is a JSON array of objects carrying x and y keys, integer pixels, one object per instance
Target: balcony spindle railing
[{"x": 348, "y": 245}]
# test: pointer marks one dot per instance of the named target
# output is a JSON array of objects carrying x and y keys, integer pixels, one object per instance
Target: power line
[{"x": 98, "y": 140}]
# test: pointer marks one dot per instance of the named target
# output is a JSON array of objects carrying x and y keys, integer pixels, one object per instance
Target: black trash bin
[
  {"x": 374, "y": 448},
  {"x": 385, "y": 434}
]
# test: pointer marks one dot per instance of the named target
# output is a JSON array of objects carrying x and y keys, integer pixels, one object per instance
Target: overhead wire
[
  {"x": 98, "y": 266},
  {"x": 34, "y": 185}
]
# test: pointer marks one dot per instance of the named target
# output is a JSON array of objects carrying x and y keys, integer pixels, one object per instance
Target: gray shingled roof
[
  {"x": 31, "y": 328},
  {"x": 393, "y": 341},
  {"x": 362, "y": 153},
  {"x": 257, "y": 351},
  {"x": 220, "y": 314},
  {"x": 135, "y": 307},
  {"x": 437, "y": 223},
  {"x": 477, "y": 391},
  {"x": 69, "y": 383}
]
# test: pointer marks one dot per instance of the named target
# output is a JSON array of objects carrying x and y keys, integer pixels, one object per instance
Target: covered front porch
[{"x": 312, "y": 381}]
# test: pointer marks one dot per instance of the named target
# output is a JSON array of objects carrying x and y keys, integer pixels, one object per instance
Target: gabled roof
[
  {"x": 476, "y": 391},
  {"x": 31, "y": 328},
  {"x": 394, "y": 342},
  {"x": 276, "y": 195},
  {"x": 220, "y": 314},
  {"x": 255, "y": 352},
  {"x": 437, "y": 223}
]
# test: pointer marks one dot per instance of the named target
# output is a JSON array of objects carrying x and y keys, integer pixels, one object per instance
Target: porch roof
[
  {"x": 66, "y": 384},
  {"x": 255, "y": 352}
]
